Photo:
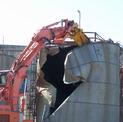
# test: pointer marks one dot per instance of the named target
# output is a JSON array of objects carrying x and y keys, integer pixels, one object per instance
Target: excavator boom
[{"x": 48, "y": 34}]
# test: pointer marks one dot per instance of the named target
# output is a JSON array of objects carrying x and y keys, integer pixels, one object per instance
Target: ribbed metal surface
[
  {"x": 8, "y": 53},
  {"x": 5, "y": 61},
  {"x": 96, "y": 100}
]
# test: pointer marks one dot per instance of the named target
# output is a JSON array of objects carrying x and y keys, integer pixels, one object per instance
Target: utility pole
[
  {"x": 79, "y": 18},
  {"x": 3, "y": 39}
]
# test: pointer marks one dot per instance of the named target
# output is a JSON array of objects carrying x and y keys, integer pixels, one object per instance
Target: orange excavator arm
[{"x": 17, "y": 73}]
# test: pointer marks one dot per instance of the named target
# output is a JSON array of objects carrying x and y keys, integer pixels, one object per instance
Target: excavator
[{"x": 11, "y": 80}]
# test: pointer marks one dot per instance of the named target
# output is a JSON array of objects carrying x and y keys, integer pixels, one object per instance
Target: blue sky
[{"x": 20, "y": 19}]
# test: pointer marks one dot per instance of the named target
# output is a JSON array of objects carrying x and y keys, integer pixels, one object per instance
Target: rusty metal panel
[{"x": 97, "y": 99}]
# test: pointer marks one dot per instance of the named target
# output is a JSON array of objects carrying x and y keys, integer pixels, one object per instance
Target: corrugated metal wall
[
  {"x": 8, "y": 53},
  {"x": 97, "y": 99},
  {"x": 6, "y": 61}
]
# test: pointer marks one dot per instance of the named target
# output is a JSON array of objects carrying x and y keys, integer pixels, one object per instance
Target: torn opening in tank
[{"x": 52, "y": 91}]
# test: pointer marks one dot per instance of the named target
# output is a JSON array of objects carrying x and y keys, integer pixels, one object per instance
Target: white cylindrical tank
[{"x": 97, "y": 99}]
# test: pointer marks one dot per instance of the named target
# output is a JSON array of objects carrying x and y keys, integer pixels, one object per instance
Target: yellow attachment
[{"x": 78, "y": 36}]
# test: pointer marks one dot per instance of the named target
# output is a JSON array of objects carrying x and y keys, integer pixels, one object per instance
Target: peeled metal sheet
[
  {"x": 97, "y": 99},
  {"x": 95, "y": 57}
]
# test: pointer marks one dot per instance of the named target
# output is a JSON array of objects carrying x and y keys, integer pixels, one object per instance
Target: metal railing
[{"x": 94, "y": 36}]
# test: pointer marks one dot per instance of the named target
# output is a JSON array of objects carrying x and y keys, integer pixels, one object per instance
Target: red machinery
[{"x": 9, "y": 92}]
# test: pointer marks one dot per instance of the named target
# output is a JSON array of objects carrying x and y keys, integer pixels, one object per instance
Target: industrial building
[{"x": 8, "y": 54}]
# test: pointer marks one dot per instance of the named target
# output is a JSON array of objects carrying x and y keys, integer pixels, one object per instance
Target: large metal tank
[{"x": 97, "y": 97}]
